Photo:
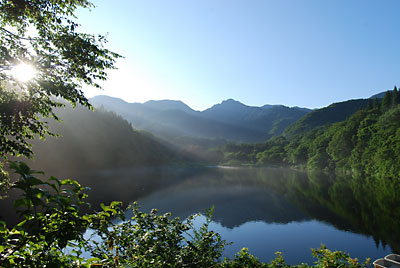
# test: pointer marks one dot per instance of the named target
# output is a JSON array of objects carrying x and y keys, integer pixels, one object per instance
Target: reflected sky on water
[{"x": 264, "y": 209}]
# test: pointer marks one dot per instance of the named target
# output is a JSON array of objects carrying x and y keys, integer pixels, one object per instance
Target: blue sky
[{"x": 307, "y": 53}]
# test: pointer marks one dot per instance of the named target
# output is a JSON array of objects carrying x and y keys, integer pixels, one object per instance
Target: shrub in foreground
[{"x": 54, "y": 233}]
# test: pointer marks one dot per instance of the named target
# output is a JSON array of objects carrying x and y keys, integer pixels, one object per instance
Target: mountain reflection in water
[{"x": 265, "y": 209}]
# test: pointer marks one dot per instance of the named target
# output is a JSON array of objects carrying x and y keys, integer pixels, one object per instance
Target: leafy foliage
[
  {"x": 151, "y": 240},
  {"x": 325, "y": 259},
  {"x": 52, "y": 234},
  {"x": 51, "y": 221},
  {"x": 44, "y": 35}
]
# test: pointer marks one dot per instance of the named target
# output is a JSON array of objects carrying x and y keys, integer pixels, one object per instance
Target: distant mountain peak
[
  {"x": 230, "y": 119},
  {"x": 168, "y": 105},
  {"x": 106, "y": 98},
  {"x": 150, "y": 102},
  {"x": 230, "y": 100},
  {"x": 230, "y": 103},
  {"x": 233, "y": 101}
]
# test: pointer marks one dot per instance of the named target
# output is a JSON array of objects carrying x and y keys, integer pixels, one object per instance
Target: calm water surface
[{"x": 266, "y": 209}]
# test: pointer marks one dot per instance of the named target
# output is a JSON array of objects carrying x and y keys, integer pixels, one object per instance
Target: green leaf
[
  {"x": 21, "y": 223},
  {"x": 22, "y": 203},
  {"x": 3, "y": 226},
  {"x": 32, "y": 181},
  {"x": 93, "y": 260}
]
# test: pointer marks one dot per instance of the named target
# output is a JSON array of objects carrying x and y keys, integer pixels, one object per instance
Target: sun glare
[{"x": 23, "y": 72}]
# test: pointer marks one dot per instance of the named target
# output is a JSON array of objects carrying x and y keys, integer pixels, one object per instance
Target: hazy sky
[{"x": 306, "y": 53}]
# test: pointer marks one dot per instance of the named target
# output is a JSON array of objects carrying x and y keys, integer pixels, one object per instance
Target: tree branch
[{"x": 20, "y": 37}]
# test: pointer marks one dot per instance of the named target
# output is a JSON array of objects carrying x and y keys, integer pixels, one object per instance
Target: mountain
[
  {"x": 97, "y": 140},
  {"x": 378, "y": 96},
  {"x": 333, "y": 113},
  {"x": 229, "y": 109},
  {"x": 163, "y": 105},
  {"x": 366, "y": 142},
  {"x": 382, "y": 94},
  {"x": 268, "y": 119},
  {"x": 101, "y": 150},
  {"x": 229, "y": 120}
]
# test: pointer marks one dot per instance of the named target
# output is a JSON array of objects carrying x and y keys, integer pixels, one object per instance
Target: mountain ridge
[
  {"x": 335, "y": 112},
  {"x": 229, "y": 120},
  {"x": 151, "y": 103}
]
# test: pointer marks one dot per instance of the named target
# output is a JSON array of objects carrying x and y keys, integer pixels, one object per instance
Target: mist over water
[{"x": 264, "y": 209}]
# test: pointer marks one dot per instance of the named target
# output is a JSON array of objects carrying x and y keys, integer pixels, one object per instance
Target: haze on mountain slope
[{"x": 229, "y": 120}]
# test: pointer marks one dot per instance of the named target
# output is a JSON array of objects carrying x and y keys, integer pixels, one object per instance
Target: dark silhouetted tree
[
  {"x": 370, "y": 104},
  {"x": 376, "y": 103},
  {"x": 396, "y": 96}
]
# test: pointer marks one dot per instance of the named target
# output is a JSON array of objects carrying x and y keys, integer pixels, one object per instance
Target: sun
[{"x": 23, "y": 72}]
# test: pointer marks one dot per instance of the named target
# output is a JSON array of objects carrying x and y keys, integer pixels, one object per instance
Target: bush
[{"x": 52, "y": 234}]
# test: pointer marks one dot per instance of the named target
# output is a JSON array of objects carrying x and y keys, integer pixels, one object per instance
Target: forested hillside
[
  {"x": 335, "y": 112},
  {"x": 97, "y": 139},
  {"x": 368, "y": 142},
  {"x": 226, "y": 121}
]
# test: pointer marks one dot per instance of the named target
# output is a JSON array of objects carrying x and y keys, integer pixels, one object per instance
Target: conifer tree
[
  {"x": 370, "y": 105},
  {"x": 376, "y": 103},
  {"x": 387, "y": 101},
  {"x": 395, "y": 97}
]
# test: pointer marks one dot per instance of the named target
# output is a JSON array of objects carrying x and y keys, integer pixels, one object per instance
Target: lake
[{"x": 266, "y": 209}]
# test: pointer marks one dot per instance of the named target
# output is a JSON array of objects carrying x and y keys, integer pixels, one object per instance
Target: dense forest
[
  {"x": 367, "y": 142},
  {"x": 103, "y": 140}
]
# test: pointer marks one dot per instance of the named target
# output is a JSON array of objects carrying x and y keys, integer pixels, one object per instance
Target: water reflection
[
  {"x": 237, "y": 199},
  {"x": 271, "y": 210},
  {"x": 295, "y": 240},
  {"x": 265, "y": 209}
]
